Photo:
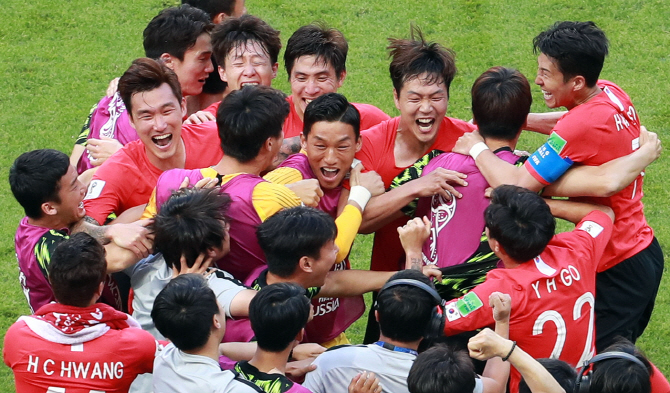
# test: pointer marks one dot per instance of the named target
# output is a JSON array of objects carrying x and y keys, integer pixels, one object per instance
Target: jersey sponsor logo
[
  {"x": 556, "y": 142},
  {"x": 95, "y": 189},
  {"x": 592, "y": 228},
  {"x": 468, "y": 303}
]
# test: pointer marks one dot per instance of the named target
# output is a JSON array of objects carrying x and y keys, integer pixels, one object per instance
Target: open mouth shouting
[
  {"x": 329, "y": 174},
  {"x": 162, "y": 141},
  {"x": 425, "y": 125}
]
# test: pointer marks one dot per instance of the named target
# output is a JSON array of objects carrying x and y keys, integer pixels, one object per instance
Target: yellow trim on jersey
[
  {"x": 284, "y": 175},
  {"x": 347, "y": 224},
  {"x": 150, "y": 210},
  {"x": 339, "y": 340}
]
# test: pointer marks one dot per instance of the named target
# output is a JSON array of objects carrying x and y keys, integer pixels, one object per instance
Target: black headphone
[
  {"x": 435, "y": 327},
  {"x": 583, "y": 383}
]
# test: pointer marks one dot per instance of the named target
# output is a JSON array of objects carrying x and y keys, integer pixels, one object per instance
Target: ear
[
  {"x": 306, "y": 264},
  {"x": 222, "y": 74},
  {"x": 340, "y": 80},
  {"x": 216, "y": 322},
  {"x": 183, "y": 106},
  {"x": 98, "y": 293},
  {"x": 376, "y": 315},
  {"x": 299, "y": 336},
  {"x": 396, "y": 99},
  {"x": 49, "y": 208},
  {"x": 579, "y": 83},
  {"x": 359, "y": 144},
  {"x": 303, "y": 141},
  {"x": 168, "y": 60},
  {"x": 218, "y": 18},
  {"x": 275, "y": 67}
]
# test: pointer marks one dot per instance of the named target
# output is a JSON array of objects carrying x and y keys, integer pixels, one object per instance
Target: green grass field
[{"x": 56, "y": 59}]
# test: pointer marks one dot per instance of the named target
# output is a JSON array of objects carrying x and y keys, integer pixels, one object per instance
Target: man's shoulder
[
  {"x": 127, "y": 159},
  {"x": 451, "y": 123}
]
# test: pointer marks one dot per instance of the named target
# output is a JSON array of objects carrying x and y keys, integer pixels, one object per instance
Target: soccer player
[
  {"x": 421, "y": 73},
  {"x": 152, "y": 95},
  {"x": 178, "y": 36},
  {"x": 247, "y": 49},
  {"x": 315, "y": 60},
  {"x": 601, "y": 124},
  {"x": 285, "y": 305},
  {"x": 190, "y": 232},
  {"x": 46, "y": 186},
  {"x": 405, "y": 308},
  {"x": 187, "y": 313},
  {"x": 76, "y": 343},
  {"x": 551, "y": 279},
  {"x": 330, "y": 138}
]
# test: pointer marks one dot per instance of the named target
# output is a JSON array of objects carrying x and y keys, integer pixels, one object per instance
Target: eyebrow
[
  {"x": 439, "y": 91},
  {"x": 167, "y": 104},
  {"x": 343, "y": 139}
]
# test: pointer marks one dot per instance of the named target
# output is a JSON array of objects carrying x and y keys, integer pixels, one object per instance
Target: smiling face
[
  {"x": 330, "y": 148},
  {"x": 555, "y": 90},
  {"x": 70, "y": 209},
  {"x": 194, "y": 69},
  {"x": 422, "y": 107},
  {"x": 156, "y": 116},
  {"x": 311, "y": 78},
  {"x": 248, "y": 64}
]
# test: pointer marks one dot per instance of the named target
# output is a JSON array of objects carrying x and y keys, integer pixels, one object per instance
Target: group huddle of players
[{"x": 193, "y": 166}]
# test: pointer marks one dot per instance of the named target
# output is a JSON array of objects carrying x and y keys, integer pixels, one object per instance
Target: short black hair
[
  {"x": 248, "y": 117},
  {"x": 236, "y": 33},
  {"x": 145, "y": 75},
  {"x": 621, "y": 375},
  {"x": 77, "y": 268},
  {"x": 213, "y": 7},
  {"x": 332, "y": 107},
  {"x": 34, "y": 178},
  {"x": 174, "y": 30},
  {"x": 183, "y": 311},
  {"x": 326, "y": 44},
  {"x": 442, "y": 369},
  {"x": 189, "y": 223},
  {"x": 578, "y": 48},
  {"x": 405, "y": 310},
  {"x": 277, "y": 314},
  {"x": 562, "y": 372},
  {"x": 520, "y": 220},
  {"x": 292, "y": 234},
  {"x": 501, "y": 100},
  {"x": 411, "y": 58}
]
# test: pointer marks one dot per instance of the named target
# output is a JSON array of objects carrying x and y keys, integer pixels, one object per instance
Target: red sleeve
[
  {"x": 369, "y": 148},
  {"x": 659, "y": 384},
  {"x": 106, "y": 191},
  {"x": 370, "y": 115},
  {"x": 598, "y": 226},
  {"x": 142, "y": 347},
  {"x": 472, "y": 311}
]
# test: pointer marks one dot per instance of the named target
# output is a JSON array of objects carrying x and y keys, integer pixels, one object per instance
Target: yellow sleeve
[
  {"x": 269, "y": 198},
  {"x": 347, "y": 227},
  {"x": 284, "y": 175},
  {"x": 150, "y": 210}
]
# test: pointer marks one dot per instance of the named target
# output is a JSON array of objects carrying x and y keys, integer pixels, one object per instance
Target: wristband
[
  {"x": 477, "y": 149},
  {"x": 510, "y": 352},
  {"x": 360, "y": 195}
]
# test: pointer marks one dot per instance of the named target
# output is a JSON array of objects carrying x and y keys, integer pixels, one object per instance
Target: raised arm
[
  {"x": 575, "y": 211},
  {"x": 542, "y": 123}
]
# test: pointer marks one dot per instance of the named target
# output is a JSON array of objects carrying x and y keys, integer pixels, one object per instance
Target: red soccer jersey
[
  {"x": 552, "y": 297},
  {"x": 602, "y": 129},
  {"x": 127, "y": 179},
  {"x": 377, "y": 155},
  {"x": 108, "y": 363}
]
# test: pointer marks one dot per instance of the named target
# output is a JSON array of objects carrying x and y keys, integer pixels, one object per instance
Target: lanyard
[{"x": 393, "y": 348}]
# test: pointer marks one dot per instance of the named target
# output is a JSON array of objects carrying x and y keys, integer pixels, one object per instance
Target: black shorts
[{"x": 625, "y": 295}]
